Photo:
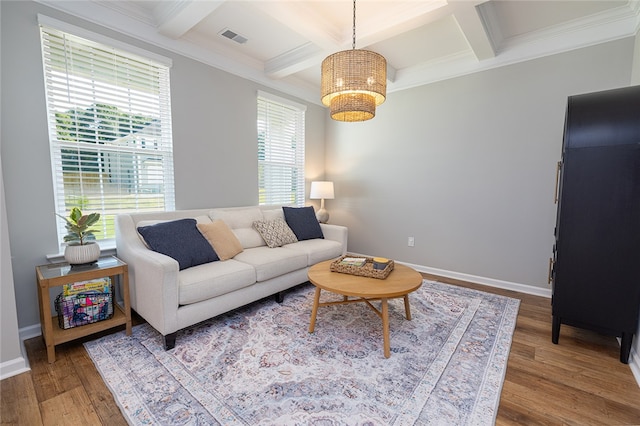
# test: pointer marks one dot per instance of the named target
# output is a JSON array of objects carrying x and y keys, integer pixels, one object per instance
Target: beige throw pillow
[
  {"x": 275, "y": 232},
  {"x": 221, "y": 238}
]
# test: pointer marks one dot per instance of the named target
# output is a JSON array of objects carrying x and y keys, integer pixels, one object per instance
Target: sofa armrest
[
  {"x": 153, "y": 278},
  {"x": 336, "y": 233}
]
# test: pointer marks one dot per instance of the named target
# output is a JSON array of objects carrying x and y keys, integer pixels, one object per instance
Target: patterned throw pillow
[{"x": 275, "y": 232}]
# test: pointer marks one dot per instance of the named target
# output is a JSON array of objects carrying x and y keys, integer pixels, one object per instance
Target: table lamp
[{"x": 321, "y": 190}]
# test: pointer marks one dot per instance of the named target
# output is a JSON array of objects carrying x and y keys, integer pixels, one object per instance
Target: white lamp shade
[{"x": 321, "y": 190}]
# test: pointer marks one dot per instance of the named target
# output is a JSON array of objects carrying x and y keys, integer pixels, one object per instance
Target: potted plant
[{"x": 81, "y": 242}]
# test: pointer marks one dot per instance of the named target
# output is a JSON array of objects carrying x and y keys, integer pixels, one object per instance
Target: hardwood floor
[{"x": 580, "y": 381}]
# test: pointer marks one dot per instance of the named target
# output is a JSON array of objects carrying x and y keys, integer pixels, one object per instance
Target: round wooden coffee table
[{"x": 400, "y": 282}]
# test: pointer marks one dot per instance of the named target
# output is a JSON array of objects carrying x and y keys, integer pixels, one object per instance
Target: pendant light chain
[{"x": 353, "y": 46}]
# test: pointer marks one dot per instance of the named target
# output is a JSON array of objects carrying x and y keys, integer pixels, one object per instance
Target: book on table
[
  {"x": 353, "y": 261},
  {"x": 100, "y": 285}
]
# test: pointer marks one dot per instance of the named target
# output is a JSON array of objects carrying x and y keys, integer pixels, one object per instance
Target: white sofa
[{"x": 170, "y": 299}]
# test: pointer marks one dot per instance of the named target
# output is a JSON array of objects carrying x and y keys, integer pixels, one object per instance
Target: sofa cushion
[
  {"x": 272, "y": 262},
  {"x": 303, "y": 222},
  {"x": 181, "y": 240},
  {"x": 222, "y": 239},
  {"x": 213, "y": 279},
  {"x": 271, "y": 214},
  {"x": 240, "y": 220},
  {"x": 275, "y": 232},
  {"x": 317, "y": 250}
]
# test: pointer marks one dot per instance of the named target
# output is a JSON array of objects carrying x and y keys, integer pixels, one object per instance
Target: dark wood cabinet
[{"x": 596, "y": 269}]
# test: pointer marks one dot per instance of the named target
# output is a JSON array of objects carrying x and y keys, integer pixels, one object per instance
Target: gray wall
[
  {"x": 11, "y": 361},
  {"x": 214, "y": 134},
  {"x": 467, "y": 166},
  {"x": 10, "y": 354}
]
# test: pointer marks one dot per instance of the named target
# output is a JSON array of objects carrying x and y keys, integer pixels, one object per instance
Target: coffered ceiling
[{"x": 282, "y": 43}]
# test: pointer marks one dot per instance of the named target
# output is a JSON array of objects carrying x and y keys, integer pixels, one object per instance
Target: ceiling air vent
[{"x": 233, "y": 36}]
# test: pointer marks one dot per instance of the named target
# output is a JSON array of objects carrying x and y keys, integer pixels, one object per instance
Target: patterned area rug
[{"x": 258, "y": 365}]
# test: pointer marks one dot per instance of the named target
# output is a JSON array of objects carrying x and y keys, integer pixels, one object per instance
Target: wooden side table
[{"x": 58, "y": 274}]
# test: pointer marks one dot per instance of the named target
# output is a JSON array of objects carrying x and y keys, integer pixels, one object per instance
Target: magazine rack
[{"x": 59, "y": 274}]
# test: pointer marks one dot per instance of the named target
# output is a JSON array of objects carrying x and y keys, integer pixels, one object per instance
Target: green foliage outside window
[{"x": 89, "y": 180}]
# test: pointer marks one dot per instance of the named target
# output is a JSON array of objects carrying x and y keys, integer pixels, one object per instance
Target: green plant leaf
[
  {"x": 92, "y": 219},
  {"x": 77, "y": 226},
  {"x": 75, "y": 215}
]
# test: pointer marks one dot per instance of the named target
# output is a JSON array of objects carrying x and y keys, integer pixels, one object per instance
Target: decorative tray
[{"x": 366, "y": 270}]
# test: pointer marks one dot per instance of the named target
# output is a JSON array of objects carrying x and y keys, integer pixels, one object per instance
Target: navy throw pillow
[
  {"x": 181, "y": 240},
  {"x": 303, "y": 222}
]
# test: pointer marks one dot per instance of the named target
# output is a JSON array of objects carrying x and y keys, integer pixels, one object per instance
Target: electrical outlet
[{"x": 411, "y": 242}]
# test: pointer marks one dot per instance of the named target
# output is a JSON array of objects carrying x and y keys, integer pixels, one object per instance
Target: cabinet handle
[
  {"x": 549, "y": 278},
  {"x": 558, "y": 167}
]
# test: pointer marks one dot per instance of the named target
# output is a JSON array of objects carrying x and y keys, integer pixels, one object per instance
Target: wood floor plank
[
  {"x": 582, "y": 360},
  {"x": 510, "y": 413},
  {"x": 97, "y": 391},
  {"x": 19, "y": 403},
  {"x": 531, "y": 332},
  {"x": 622, "y": 413},
  {"x": 72, "y": 407},
  {"x": 529, "y": 403},
  {"x": 589, "y": 375},
  {"x": 537, "y": 313},
  {"x": 53, "y": 379},
  {"x": 523, "y": 350}
]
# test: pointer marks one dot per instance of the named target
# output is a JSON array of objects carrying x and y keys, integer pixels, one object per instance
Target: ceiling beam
[
  {"x": 296, "y": 60},
  {"x": 472, "y": 27},
  {"x": 175, "y": 18}
]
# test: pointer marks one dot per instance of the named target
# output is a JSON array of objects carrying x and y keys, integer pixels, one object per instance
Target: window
[
  {"x": 109, "y": 116},
  {"x": 280, "y": 151}
]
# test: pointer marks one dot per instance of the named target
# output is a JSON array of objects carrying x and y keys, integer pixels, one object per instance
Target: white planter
[{"x": 77, "y": 254}]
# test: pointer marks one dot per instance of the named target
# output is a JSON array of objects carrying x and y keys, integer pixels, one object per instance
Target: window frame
[{"x": 141, "y": 144}]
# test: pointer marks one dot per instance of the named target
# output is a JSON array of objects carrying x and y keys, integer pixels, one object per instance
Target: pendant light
[{"x": 353, "y": 82}]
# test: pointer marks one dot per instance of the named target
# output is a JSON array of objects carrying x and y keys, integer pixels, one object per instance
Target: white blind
[
  {"x": 280, "y": 151},
  {"x": 109, "y": 115}
]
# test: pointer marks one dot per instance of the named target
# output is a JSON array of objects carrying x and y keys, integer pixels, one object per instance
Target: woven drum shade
[{"x": 353, "y": 83}]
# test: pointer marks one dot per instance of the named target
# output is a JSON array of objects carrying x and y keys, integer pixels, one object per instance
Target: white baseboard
[
  {"x": 14, "y": 367},
  {"x": 30, "y": 332},
  {"x": 21, "y": 364},
  {"x": 490, "y": 282}
]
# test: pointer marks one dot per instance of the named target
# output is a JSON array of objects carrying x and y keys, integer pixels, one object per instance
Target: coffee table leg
[
  {"x": 407, "y": 309},
  {"x": 385, "y": 328},
  {"x": 314, "y": 311}
]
